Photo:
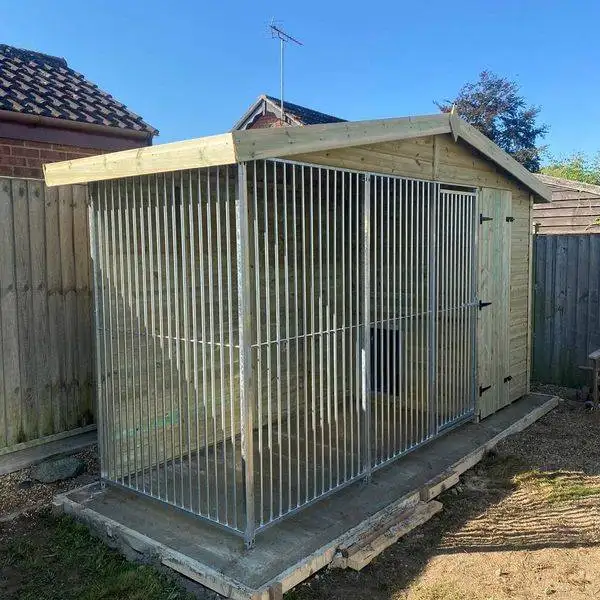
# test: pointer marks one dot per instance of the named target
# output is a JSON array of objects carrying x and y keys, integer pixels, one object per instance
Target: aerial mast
[{"x": 284, "y": 38}]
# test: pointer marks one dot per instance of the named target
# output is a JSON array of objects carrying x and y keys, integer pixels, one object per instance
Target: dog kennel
[{"x": 279, "y": 313}]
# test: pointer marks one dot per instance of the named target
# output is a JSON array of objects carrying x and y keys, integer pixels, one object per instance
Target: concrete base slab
[{"x": 293, "y": 549}]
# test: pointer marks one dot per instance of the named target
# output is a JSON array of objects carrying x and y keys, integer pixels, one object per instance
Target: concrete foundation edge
[{"x": 117, "y": 533}]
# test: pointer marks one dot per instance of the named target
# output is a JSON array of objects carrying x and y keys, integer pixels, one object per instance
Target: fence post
[{"x": 246, "y": 320}]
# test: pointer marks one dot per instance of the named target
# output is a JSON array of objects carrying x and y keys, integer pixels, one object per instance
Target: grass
[
  {"x": 57, "y": 559},
  {"x": 560, "y": 486}
]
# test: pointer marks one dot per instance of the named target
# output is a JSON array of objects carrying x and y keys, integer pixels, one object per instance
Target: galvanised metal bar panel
[
  {"x": 268, "y": 333},
  {"x": 166, "y": 256}
]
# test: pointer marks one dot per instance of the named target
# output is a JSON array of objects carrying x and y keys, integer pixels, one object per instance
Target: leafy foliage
[
  {"x": 578, "y": 167},
  {"x": 494, "y": 106}
]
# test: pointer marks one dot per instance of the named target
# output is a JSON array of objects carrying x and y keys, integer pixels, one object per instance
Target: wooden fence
[
  {"x": 45, "y": 312},
  {"x": 566, "y": 323}
]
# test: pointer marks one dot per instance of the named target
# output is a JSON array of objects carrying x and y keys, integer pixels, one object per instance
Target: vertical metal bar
[
  {"x": 197, "y": 507},
  {"x": 321, "y": 328},
  {"x": 313, "y": 330},
  {"x": 99, "y": 323},
  {"x": 374, "y": 328},
  {"x": 328, "y": 365},
  {"x": 389, "y": 323},
  {"x": 257, "y": 291},
  {"x": 432, "y": 219},
  {"x": 176, "y": 331},
  {"x": 297, "y": 328},
  {"x": 351, "y": 319},
  {"x": 474, "y": 291},
  {"x": 246, "y": 318},
  {"x": 203, "y": 325},
  {"x": 161, "y": 331},
  {"x": 221, "y": 342},
  {"x": 344, "y": 323},
  {"x": 287, "y": 343},
  {"x": 365, "y": 349},
  {"x": 230, "y": 398},
  {"x": 358, "y": 237},
  {"x": 186, "y": 291},
  {"x": 278, "y": 335},
  {"x": 269, "y": 335},
  {"x": 395, "y": 314},
  {"x": 136, "y": 330},
  {"x": 305, "y": 332},
  {"x": 210, "y": 200},
  {"x": 334, "y": 325}
]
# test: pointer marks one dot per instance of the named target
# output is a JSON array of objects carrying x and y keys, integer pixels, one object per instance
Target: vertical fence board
[
  {"x": 45, "y": 312},
  {"x": 67, "y": 264},
  {"x": 83, "y": 340},
  {"x": 8, "y": 306},
  {"x": 56, "y": 327},
  {"x": 24, "y": 306},
  {"x": 39, "y": 290},
  {"x": 566, "y": 323}
]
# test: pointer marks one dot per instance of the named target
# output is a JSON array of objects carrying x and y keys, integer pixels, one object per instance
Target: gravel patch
[{"x": 20, "y": 493}]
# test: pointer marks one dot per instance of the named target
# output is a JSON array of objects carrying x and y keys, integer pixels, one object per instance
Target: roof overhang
[{"x": 279, "y": 142}]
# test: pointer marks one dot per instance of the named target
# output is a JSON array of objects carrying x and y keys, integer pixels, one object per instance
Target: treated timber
[
  {"x": 40, "y": 332},
  {"x": 201, "y": 152},
  {"x": 279, "y": 142}
]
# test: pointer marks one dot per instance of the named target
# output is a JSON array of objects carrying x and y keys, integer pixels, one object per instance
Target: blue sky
[{"x": 191, "y": 68}]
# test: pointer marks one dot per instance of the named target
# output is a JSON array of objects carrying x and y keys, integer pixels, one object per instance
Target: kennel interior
[{"x": 270, "y": 330}]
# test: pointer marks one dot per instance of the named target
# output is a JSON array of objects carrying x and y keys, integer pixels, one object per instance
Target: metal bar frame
[{"x": 179, "y": 239}]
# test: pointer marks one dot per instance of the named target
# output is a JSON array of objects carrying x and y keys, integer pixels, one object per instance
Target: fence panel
[
  {"x": 566, "y": 317},
  {"x": 45, "y": 312}
]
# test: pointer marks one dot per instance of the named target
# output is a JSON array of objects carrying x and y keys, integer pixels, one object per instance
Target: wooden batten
[{"x": 189, "y": 154}]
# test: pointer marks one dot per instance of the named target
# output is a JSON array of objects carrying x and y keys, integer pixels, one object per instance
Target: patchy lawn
[
  {"x": 50, "y": 558},
  {"x": 523, "y": 524}
]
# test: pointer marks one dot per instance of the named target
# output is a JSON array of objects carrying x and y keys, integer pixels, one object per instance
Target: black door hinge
[
  {"x": 510, "y": 219},
  {"x": 483, "y": 218},
  {"x": 507, "y": 379},
  {"x": 483, "y": 389},
  {"x": 483, "y": 304}
]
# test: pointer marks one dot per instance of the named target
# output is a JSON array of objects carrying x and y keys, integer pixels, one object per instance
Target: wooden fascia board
[
  {"x": 277, "y": 108},
  {"x": 278, "y": 142},
  {"x": 479, "y": 141},
  {"x": 189, "y": 154}
]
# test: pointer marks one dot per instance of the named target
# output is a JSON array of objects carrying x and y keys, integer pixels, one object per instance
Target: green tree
[
  {"x": 494, "y": 106},
  {"x": 577, "y": 166}
]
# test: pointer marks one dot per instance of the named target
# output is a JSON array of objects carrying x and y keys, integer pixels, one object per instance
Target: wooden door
[{"x": 495, "y": 207}]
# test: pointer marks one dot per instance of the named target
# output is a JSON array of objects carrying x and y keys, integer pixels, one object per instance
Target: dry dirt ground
[{"x": 523, "y": 524}]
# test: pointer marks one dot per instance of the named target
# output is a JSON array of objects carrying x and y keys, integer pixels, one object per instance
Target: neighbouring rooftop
[{"x": 32, "y": 83}]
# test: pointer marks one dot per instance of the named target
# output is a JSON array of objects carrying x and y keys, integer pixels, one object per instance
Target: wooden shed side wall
[
  {"x": 440, "y": 158},
  {"x": 570, "y": 214},
  {"x": 45, "y": 312}
]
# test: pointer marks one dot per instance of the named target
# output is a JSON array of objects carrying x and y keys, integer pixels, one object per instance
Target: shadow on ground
[{"x": 539, "y": 489}]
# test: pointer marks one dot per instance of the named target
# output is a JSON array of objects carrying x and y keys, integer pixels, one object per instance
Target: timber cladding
[
  {"x": 45, "y": 311},
  {"x": 440, "y": 158}
]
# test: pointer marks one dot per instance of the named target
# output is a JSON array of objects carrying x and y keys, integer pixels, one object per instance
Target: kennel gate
[{"x": 272, "y": 331}]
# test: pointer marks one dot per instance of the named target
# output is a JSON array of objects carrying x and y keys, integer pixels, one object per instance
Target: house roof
[
  {"x": 279, "y": 142},
  {"x": 560, "y": 184},
  {"x": 294, "y": 114},
  {"x": 32, "y": 83}
]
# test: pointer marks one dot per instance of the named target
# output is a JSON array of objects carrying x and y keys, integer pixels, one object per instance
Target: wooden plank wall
[
  {"x": 45, "y": 311},
  {"x": 566, "y": 325},
  {"x": 440, "y": 158},
  {"x": 569, "y": 212}
]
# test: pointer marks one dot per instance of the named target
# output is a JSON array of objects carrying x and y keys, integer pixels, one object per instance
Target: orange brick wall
[{"x": 20, "y": 158}]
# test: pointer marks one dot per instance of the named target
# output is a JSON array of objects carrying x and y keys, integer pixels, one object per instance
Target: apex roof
[
  {"x": 279, "y": 142},
  {"x": 294, "y": 114}
]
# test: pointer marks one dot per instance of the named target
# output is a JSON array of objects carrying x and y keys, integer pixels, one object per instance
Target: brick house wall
[
  {"x": 266, "y": 121},
  {"x": 23, "y": 158}
]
